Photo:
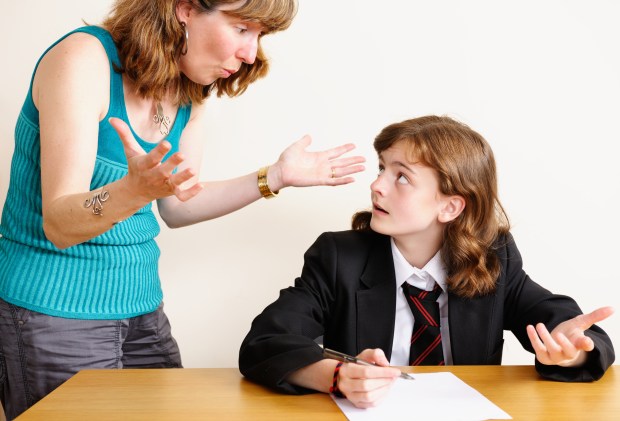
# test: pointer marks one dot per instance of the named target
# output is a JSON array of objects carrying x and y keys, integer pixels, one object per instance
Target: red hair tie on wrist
[{"x": 334, "y": 388}]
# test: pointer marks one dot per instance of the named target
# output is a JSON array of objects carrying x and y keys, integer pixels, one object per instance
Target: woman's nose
[{"x": 248, "y": 51}]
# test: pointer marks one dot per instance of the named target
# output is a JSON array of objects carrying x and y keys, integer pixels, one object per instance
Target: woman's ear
[
  {"x": 451, "y": 209},
  {"x": 183, "y": 10}
]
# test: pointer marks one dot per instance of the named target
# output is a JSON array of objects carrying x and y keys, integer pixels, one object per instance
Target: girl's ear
[{"x": 452, "y": 208}]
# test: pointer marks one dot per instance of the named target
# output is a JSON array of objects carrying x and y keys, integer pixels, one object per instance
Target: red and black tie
[{"x": 426, "y": 346}]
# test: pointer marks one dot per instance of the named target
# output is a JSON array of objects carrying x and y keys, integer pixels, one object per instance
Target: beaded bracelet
[{"x": 334, "y": 388}]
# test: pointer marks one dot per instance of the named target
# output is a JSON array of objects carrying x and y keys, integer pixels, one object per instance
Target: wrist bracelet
[
  {"x": 263, "y": 187},
  {"x": 97, "y": 201},
  {"x": 334, "y": 388}
]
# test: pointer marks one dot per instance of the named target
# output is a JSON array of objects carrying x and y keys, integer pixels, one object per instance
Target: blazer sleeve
[
  {"x": 526, "y": 302},
  {"x": 282, "y": 338}
]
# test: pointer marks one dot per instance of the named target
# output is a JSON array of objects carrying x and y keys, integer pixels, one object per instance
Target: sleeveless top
[{"x": 112, "y": 276}]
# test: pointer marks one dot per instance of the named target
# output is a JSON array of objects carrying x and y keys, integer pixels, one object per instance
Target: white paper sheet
[{"x": 431, "y": 396}]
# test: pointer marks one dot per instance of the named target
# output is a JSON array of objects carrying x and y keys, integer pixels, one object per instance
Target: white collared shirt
[{"x": 425, "y": 278}]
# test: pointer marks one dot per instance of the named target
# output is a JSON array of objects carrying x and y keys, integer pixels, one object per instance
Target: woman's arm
[
  {"x": 295, "y": 167},
  {"x": 71, "y": 91}
]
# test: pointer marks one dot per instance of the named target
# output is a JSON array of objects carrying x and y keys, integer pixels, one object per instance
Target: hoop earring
[{"x": 185, "y": 41}]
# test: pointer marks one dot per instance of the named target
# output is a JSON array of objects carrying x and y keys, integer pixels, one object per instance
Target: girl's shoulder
[
  {"x": 352, "y": 243},
  {"x": 506, "y": 248}
]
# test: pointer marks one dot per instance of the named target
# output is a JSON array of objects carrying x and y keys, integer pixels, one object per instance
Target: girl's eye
[
  {"x": 241, "y": 29},
  {"x": 381, "y": 169},
  {"x": 402, "y": 179}
]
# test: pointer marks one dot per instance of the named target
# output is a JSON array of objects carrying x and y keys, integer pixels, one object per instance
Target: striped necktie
[{"x": 426, "y": 346}]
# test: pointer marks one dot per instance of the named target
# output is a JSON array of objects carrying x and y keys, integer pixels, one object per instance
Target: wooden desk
[{"x": 223, "y": 394}]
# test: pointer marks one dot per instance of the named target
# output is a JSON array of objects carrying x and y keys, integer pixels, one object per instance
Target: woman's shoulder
[
  {"x": 81, "y": 49},
  {"x": 77, "y": 62},
  {"x": 82, "y": 44}
]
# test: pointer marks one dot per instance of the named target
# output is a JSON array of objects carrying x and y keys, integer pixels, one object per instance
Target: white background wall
[{"x": 539, "y": 79}]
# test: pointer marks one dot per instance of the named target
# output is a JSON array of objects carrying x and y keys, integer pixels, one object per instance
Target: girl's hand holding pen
[
  {"x": 345, "y": 358},
  {"x": 366, "y": 385}
]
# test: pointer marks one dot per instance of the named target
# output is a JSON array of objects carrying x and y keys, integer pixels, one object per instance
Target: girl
[{"x": 436, "y": 224}]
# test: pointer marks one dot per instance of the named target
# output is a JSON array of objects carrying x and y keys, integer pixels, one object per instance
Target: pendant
[{"x": 162, "y": 120}]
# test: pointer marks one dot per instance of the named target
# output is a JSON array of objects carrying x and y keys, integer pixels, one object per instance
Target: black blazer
[{"x": 347, "y": 294}]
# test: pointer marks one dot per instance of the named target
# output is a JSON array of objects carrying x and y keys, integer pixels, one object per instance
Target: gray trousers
[{"x": 39, "y": 352}]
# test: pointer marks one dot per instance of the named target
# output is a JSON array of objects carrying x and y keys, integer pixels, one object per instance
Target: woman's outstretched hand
[
  {"x": 300, "y": 168},
  {"x": 566, "y": 345},
  {"x": 150, "y": 178}
]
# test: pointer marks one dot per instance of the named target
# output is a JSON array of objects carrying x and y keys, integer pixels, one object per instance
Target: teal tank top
[{"x": 112, "y": 276}]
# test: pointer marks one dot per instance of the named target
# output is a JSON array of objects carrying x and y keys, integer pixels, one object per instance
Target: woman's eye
[
  {"x": 241, "y": 29},
  {"x": 402, "y": 179}
]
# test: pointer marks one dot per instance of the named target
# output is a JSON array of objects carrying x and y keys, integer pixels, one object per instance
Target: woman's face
[
  {"x": 218, "y": 44},
  {"x": 407, "y": 203}
]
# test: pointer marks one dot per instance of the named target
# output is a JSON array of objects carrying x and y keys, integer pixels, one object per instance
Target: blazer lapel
[{"x": 376, "y": 300}]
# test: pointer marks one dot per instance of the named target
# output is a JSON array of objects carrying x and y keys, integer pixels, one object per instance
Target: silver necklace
[{"x": 162, "y": 120}]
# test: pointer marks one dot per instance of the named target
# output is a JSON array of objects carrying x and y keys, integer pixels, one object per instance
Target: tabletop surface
[{"x": 223, "y": 393}]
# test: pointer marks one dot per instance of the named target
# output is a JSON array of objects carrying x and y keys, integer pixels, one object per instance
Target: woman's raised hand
[
  {"x": 300, "y": 168},
  {"x": 150, "y": 178}
]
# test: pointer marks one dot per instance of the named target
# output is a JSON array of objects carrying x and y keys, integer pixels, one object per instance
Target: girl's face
[
  {"x": 407, "y": 203},
  {"x": 218, "y": 43}
]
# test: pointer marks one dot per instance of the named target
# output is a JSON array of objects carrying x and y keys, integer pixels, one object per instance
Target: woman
[
  {"x": 436, "y": 225},
  {"x": 79, "y": 285}
]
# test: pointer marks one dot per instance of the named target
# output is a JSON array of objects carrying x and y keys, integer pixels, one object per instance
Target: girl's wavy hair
[
  {"x": 465, "y": 166},
  {"x": 150, "y": 39}
]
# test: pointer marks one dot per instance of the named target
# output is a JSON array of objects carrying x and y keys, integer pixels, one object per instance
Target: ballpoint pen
[{"x": 330, "y": 353}]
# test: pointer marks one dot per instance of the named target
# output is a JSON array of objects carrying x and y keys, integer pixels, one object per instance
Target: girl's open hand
[{"x": 566, "y": 345}]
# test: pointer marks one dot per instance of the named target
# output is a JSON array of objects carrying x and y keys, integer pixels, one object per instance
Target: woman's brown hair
[
  {"x": 150, "y": 40},
  {"x": 465, "y": 166}
]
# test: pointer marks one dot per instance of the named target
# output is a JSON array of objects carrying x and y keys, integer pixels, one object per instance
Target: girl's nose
[{"x": 378, "y": 186}]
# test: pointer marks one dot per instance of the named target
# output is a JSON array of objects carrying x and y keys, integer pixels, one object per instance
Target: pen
[{"x": 330, "y": 353}]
